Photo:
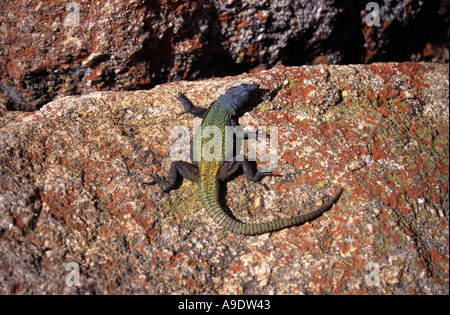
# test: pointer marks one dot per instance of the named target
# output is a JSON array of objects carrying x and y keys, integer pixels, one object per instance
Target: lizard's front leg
[{"x": 190, "y": 108}]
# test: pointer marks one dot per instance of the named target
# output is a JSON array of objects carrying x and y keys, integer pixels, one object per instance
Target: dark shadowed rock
[{"x": 53, "y": 48}]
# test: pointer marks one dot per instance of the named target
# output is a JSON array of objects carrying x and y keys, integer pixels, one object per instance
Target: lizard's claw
[
  {"x": 260, "y": 175},
  {"x": 156, "y": 180},
  {"x": 161, "y": 182},
  {"x": 273, "y": 175},
  {"x": 264, "y": 185}
]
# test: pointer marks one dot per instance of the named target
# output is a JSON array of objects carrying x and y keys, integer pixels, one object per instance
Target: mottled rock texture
[
  {"x": 72, "y": 173},
  {"x": 50, "y": 49}
]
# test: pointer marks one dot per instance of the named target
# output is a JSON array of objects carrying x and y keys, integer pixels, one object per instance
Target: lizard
[{"x": 209, "y": 173}]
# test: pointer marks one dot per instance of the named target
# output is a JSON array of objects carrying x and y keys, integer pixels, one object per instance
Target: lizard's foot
[
  {"x": 157, "y": 180},
  {"x": 258, "y": 177},
  {"x": 161, "y": 182},
  {"x": 178, "y": 171}
]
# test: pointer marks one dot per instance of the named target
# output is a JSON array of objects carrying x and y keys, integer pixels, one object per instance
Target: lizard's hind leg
[
  {"x": 257, "y": 176},
  {"x": 178, "y": 171},
  {"x": 230, "y": 168}
]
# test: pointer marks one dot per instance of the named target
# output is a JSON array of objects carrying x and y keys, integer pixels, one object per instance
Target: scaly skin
[{"x": 220, "y": 115}]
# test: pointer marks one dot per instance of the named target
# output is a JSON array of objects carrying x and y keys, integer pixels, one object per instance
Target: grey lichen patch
[{"x": 436, "y": 105}]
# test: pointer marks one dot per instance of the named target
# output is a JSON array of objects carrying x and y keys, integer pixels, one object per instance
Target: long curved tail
[{"x": 218, "y": 214}]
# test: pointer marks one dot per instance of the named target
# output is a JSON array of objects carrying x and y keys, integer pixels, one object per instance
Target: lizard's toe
[{"x": 156, "y": 180}]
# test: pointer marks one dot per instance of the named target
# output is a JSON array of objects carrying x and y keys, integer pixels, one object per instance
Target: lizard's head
[{"x": 238, "y": 96}]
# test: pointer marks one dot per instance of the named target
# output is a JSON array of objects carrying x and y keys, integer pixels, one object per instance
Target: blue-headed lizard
[{"x": 209, "y": 173}]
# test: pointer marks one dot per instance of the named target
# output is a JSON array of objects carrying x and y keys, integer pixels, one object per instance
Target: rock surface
[
  {"x": 51, "y": 48},
  {"x": 72, "y": 194}
]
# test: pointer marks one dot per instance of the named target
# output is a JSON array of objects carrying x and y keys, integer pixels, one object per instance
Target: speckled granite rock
[
  {"x": 71, "y": 190},
  {"x": 51, "y": 48}
]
